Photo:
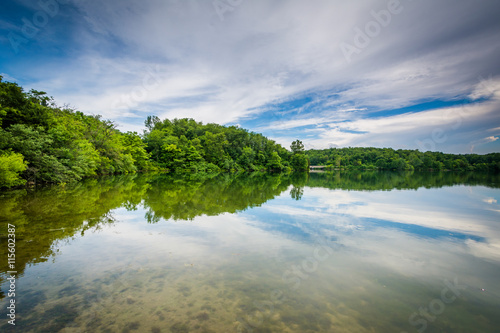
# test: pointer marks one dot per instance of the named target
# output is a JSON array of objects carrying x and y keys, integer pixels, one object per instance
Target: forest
[
  {"x": 356, "y": 158},
  {"x": 41, "y": 142}
]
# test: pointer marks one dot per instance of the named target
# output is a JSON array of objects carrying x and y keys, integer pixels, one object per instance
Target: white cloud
[
  {"x": 7, "y": 77},
  {"x": 427, "y": 129},
  {"x": 267, "y": 52},
  {"x": 399, "y": 207}
]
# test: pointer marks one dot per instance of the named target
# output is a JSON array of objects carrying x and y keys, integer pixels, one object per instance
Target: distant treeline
[
  {"x": 41, "y": 142},
  {"x": 390, "y": 159}
]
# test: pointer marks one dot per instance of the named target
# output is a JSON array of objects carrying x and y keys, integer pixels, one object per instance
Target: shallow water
[{"x": 366, "y": 252}]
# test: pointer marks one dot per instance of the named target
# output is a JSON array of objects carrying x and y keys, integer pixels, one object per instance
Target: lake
[{"x": 340, "y": 252}]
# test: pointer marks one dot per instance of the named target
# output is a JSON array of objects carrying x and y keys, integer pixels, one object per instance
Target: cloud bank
[{"x": 405, "y": 74}]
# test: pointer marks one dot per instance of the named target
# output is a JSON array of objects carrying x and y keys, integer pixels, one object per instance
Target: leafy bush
[{"x": 11, "y": 166}]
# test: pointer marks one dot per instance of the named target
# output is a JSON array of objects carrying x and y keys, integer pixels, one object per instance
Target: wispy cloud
[{"x": 97, "y": 55}]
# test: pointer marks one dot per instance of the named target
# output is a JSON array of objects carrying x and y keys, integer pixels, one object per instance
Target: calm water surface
[{"x": 366, "y": 252}]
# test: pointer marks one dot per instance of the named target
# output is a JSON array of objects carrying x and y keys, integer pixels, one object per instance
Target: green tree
[
  {"x": 135, "y": 147},
  {"x": 275, "y": 162},
  {"x": 173, "y": 156},
  {"x": 297, "y": 147},
  {"x": 246, "y": 159},
  {"x": 11, "y": 166},
  {"x": 214, "y": 147},
  {"x": 299, "y": 162}
]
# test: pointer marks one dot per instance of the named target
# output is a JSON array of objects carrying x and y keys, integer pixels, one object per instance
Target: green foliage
[
  {"x": 64, "y": 145},
  {"x": 61, "y": 145},
  {"x": 42, "y": 143},
  {"x": 11, "y": 165},
  {"x": 186, "y": 145},
  {"x": 299, "y": 161},
  {"x": 297, "y": 147},
  {"x": 185, "y": 196},
  {"x": 354, "y": 158},
  {"x": 389, "y": 180},
  {"x": 247, "y": 158},
  {"x": 275, "y": 162}
]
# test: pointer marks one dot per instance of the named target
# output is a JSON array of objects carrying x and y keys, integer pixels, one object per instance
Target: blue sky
[{"x": 404, "y": 74}]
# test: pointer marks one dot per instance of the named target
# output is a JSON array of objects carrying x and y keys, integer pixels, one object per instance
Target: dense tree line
[
  {"x": 41, "y": 142},
  {"x": 390, "y": 159},
  {"x": 187, "y": 145}
]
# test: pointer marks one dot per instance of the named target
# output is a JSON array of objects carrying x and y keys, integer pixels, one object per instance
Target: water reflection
[{"x": 323, "y": 252}]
